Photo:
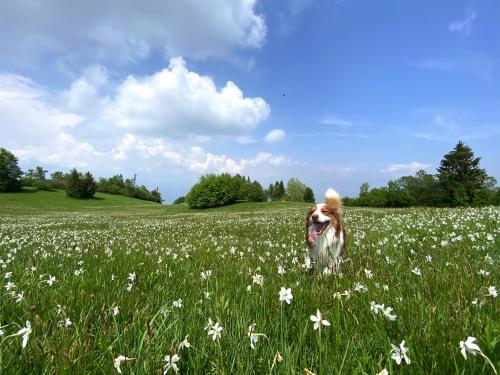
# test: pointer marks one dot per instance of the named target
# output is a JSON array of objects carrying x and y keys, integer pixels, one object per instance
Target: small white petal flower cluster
[{"x": 385, "y": 311}]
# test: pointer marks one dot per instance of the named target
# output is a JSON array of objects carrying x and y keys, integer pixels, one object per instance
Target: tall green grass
[{"x": 169, "y": 249}]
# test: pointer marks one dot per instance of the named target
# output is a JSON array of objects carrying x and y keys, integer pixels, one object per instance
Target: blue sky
[{"x": 332, "y": 92}]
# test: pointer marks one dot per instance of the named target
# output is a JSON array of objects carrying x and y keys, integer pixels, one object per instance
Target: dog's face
[{"x": 320, "y": 217}]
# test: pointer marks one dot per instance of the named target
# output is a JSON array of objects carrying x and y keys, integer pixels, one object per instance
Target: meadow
[{"x": 138, "y": 288}]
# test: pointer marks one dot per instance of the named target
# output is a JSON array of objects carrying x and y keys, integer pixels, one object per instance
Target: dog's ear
[{"x": 333, "y": 200}]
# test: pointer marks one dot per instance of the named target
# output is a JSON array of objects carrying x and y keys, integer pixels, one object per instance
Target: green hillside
[
  {"x": 32, "y": 201},
  {"x": 35, "y": 201}
]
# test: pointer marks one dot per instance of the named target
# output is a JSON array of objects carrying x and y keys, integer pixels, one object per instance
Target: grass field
[{"x": 115, "y": 276}]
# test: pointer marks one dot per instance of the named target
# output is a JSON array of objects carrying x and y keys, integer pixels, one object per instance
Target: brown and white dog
[{"x": 325, "y": 232}]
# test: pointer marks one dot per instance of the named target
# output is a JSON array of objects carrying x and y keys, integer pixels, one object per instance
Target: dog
[{"x": 325, "y": 233}]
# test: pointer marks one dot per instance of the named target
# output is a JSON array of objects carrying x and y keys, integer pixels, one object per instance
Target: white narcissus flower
[
  {"x": 383, "y": 372},
  {"x": 116, "y": 311},
  {"x": 254, "y": 337},
  {"x": 399, "y": 353},
  {"x": 24, "y": 333},
  {"x": 215, "y": 331},
  {"x": 118, "y": 361},
  {"x": 185, "y": 343},
  {"x": 318, "y": 321},
  {"x": 368, "y": 273},
  {"x": 469, "y": 346},
  {"x": 51, "y": 280},
  {"x": 170, "y": 363},
  {"x": 416, "y": 271},
  {"x": 492, "y": 291},
  {"x": 285, "y": 295}
]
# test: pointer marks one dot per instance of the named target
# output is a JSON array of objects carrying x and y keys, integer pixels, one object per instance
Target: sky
[{"x": 334, "y": 92}]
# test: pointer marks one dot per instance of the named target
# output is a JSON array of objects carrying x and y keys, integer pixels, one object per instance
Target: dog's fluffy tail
[{"x": 333, "y": 200}]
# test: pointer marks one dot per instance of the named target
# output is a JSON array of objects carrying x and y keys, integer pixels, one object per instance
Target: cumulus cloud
[
  {"x": 177, "y": 102},
  {"x": 63, "y": 151},
  {"x": 410, "y": 168},
  {"x": 128, "y": 30},
  {"x": 276, "y": 135},
  {"x": 28, "y": 113},
  {"x": 193, "y": 158},
  {"x": 464, "y": 26}
]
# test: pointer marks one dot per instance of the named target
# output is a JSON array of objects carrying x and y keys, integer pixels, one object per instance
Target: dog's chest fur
[{"x": 327, "y": 249}]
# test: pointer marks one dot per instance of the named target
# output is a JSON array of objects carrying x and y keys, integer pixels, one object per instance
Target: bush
[
  {"x": 213, "y": 191},
  {"x": 80, "y": 187},
  {"x": 256, "y": 193},
  {"x": 9, "y": 171},
  {"x": 180, "y": 200}
]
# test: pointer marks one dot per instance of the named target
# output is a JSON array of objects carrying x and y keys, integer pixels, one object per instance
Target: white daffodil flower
[
  {"x": 469, "y": 346},
  {"x": 318, "y": 321},
  {"x": 118, "y": 361},
  {"x": 399, "y": 353},
  {"x": 215, "y": 331},
  {"x": 170, "y": 363},
  {"x": 24, "y": 333},
  {"x": 285, "y": 295}
]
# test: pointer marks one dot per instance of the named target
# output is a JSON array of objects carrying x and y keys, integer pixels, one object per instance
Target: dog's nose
[{"x": 315, "y": 217}]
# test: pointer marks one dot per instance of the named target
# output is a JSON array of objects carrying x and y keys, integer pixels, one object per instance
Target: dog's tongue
[{"x": 314, "y": 231}]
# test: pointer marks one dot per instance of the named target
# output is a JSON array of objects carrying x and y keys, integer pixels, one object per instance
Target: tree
[
  {"x": 180, "y": 200},
  {"x": 282, "y": 191},
  {"x": 213, "y": 191},
  {"x": 269, "y": 192},
  {"x": 460, "y": 176},
  {"x": 256, "y": 193},
  {"x": 80, "y": 187},
  {"x": 309, "y": 195},
  {"x": 295, "y": 190},
  {"x": 88, "y": 186},
  {"x": 73, "y": 184},
  {"x": 9, "y": 171},
  {"x": 364, "y": 188},
  {"x": 58, "y": 180},
  {"x": 276, "y": 192}
]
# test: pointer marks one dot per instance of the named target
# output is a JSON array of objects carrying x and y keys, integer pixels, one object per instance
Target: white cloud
[
  {"x": 276, "y": 135},
  {"x": 128, "y": 30},
  {"x": 335, "y": 120},
  {"x": 28, "y": 114},
  {"x": 193, "y": 158},
  {"x": 465, "y": 25},
  {"x": 474, "y": 66},
  {"x": 410, "y": 168},
  {"x": 179, "y": 102},
  {"x": 63, "y": 151},
  {"x": 245, "y": 139}
]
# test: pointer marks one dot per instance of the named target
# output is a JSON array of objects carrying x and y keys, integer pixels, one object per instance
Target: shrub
[
  {"x": 80, "y": 187},
  {"x": 9, "y": 171},
  {"x": 213, "y": 191},
  {"x": 180, "y": 200}
]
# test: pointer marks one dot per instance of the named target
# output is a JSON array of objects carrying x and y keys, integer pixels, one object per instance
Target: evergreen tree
[
  {"x": 269, "y": 192},
  {"x": 460, "y": 176},
  {"x": 88, "y": 186},
  {"x": 309, "y": 195},
  {"x": 282, "y": 191},
  {"x": 276, "y": 191},
  {"x": 9, "y": 171},
  {"x": 73, "y": 188}
]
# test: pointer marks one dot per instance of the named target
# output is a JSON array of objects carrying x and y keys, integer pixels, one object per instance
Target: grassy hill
[
  {"x": 35, "y": 201},
  {"x": 32, "y": 201}
]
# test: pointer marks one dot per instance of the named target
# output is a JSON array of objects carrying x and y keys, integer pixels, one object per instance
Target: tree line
[
  {"x": 223, "y": 189},
  {"x": 459, "y": 181},
  {"x": 76, "y": 184}
]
